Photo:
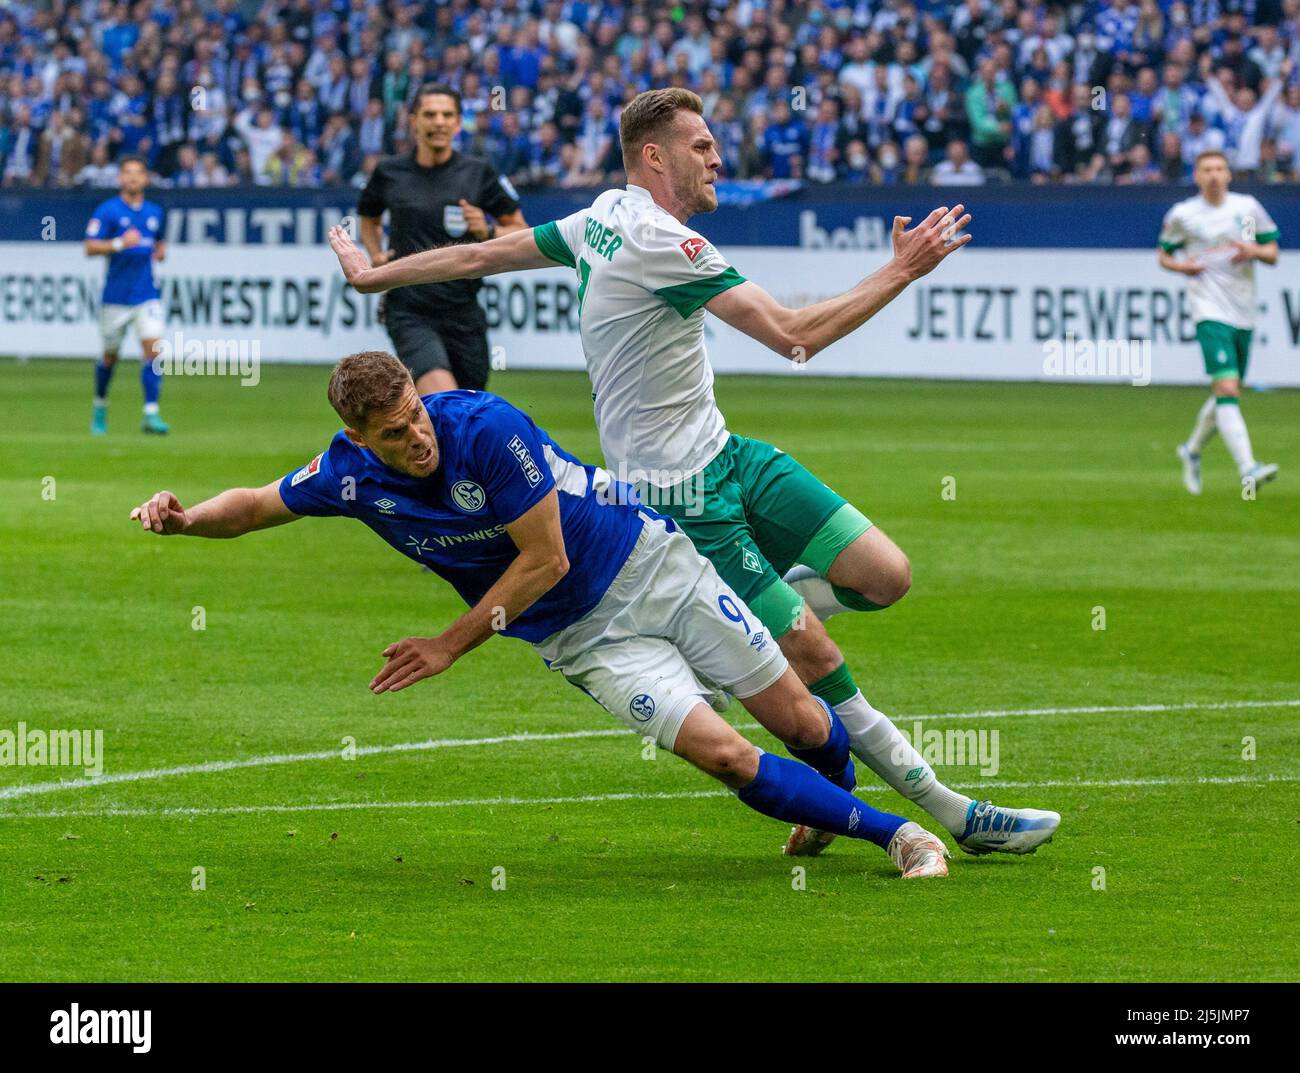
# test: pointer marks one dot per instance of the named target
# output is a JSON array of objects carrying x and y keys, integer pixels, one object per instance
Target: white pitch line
[
  {"x": 582, "y": 799},
  {"x": 9, "y": 793}
]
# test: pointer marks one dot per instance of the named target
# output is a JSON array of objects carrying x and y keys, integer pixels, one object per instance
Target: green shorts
[
  {"x": 754, "y": 512},
  {"x": 1226, "y": 349}
]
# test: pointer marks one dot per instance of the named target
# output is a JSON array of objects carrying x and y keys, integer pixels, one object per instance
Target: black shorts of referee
[{"x": 437, "y": 196}]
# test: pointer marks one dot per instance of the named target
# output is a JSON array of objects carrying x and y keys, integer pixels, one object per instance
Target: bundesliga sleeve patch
[
  {"x": 703, "y": 257},
  {"x": 520, "y": 450},
  {"x": 309, "y": 470},
  {"x": 693, "y": 247}
]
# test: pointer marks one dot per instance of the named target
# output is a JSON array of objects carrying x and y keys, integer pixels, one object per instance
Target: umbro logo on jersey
[
  {"x": 309, "y": 470},
  {"x": 385, "y": 505},
  {"x": 468, "y": 496},
  {"x": 855, "y": 817}
]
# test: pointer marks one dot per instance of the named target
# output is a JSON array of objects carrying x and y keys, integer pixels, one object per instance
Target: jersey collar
[{"x": 639, "y": 192}]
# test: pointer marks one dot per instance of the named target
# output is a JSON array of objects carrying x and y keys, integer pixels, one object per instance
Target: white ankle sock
[{"x": 877, "y": 743}]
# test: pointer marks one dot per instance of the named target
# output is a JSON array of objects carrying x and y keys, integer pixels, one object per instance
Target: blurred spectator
[
  {"x": 100, "y": 173},
  {"x": 989, "y": 102},
  {"x": 63, "y": 152},
  {"x": 263, "y": 90},
  {"x": 957, "y": 168},
  {"x": 916, "y": 162}
]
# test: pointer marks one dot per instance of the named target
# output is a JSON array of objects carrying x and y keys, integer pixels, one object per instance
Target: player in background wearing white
[
  {"x": 795, "y": 551},
  {"x": 1220, "y": 235},
  {"x": 128, "y": 230}
]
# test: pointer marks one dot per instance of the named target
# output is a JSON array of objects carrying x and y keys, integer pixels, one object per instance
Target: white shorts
[
  {"x": 114, "y": 321},
  {"x": 666, "y": 636}
]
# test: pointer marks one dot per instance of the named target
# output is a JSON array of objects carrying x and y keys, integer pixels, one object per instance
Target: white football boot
[
  {"x": 990, "y": 829},
  {"x": 918, "y": 854},
  {"x": 807, "y": 841},
  {"x": 1259, "y": 473}
]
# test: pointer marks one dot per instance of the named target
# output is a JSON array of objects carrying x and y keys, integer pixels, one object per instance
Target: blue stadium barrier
[{"x": 847, "y": 216}]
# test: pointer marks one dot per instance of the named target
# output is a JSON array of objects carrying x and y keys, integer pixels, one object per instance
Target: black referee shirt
[{"x": 418, "y": 199}]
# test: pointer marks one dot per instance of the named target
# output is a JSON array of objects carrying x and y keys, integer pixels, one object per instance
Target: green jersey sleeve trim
[
  {"x": 1172, "y": 247},
  {"x": 551, "y": 244},
  {"x": 1268, "y": 236},
  {"x": 686, "y": 298}
]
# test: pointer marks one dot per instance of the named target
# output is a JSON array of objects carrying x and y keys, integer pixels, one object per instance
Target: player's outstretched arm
[
  {"x": 539, "y": 566},
  {"x": 798, "y": 334},
  {"x": 508, "y": 253},
  {"x": 230, "y": 514}
]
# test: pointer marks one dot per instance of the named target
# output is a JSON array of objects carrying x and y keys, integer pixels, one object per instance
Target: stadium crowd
[{"x": 308, "y": 92}]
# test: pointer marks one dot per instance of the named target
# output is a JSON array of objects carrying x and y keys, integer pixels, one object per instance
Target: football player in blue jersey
[
  {"x": 128, "y": 230},
  {"x": 559, "y": 554}
]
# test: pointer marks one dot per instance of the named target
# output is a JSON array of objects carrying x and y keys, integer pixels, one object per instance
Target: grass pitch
[{"x": 616, "y": 866}]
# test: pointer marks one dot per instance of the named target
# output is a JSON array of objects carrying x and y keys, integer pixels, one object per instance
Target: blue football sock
[
  {"x": 103, "y": 375},
  {"x": 790, "y": 791},
  {"x": 832, "y": 757},
  {"x": 151, "y": 381}
]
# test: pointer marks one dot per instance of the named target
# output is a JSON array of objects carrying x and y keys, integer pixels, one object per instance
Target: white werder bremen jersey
[
  {"x": 643, "y": 280},
  {"x": 1225, "y": 291}
]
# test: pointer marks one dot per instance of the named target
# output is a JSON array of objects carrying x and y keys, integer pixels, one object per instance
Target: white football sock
[
  {"x": 1204, "y": 429},
  {"x": 1232, "y": 427},
  {"x": 817, "y": 592},
  {"x": 150, "y": 407},
  {"x": 878, "y": 743}
]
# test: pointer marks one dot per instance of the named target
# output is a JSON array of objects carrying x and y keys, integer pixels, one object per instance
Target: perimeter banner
[{"x": 1074, "y": 314}]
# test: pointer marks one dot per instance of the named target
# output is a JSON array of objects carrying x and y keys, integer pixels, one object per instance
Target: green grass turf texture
[{"x": 1067, "y": 499}]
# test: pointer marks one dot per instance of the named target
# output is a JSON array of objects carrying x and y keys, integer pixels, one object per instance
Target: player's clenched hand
[
  {"x": 409, "y": 661},
  {"x": 161, "y": 513},
  {"x": 475, "y": 220},
  {"x": 919, "y": 250},
  {"x": 354, "y": 262}
]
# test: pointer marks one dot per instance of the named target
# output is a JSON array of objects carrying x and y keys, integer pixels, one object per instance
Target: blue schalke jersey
[
  {"x": 130, "y": 280},
  {"x": 494, "y": 465}
]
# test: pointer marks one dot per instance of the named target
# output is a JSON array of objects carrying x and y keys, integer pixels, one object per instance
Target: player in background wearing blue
[
  {"x": 559, "y": 554},
  {"x": 128, "y": 231}
]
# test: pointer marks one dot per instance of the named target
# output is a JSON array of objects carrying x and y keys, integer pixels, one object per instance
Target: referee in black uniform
[{"x": 436, "y": 196}]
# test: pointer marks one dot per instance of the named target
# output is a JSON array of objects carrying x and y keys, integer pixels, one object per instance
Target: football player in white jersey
[
  {"x": 1214, "y": 239},
  {"x": 793, "y": 549}
]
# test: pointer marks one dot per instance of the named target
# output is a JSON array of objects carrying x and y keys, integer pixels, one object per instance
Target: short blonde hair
[{"x": 648, "y": 115}]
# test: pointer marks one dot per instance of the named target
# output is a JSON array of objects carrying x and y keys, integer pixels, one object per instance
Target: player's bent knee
[
  {"x": 811, "y": 651},
  {"x": 895, "y": 581},
  {"x": 712, "y": 745},
  {"x": 811, "y": 725}
]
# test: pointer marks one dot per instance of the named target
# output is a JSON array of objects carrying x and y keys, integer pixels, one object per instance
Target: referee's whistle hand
[{"x": 475, "y": 220}]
